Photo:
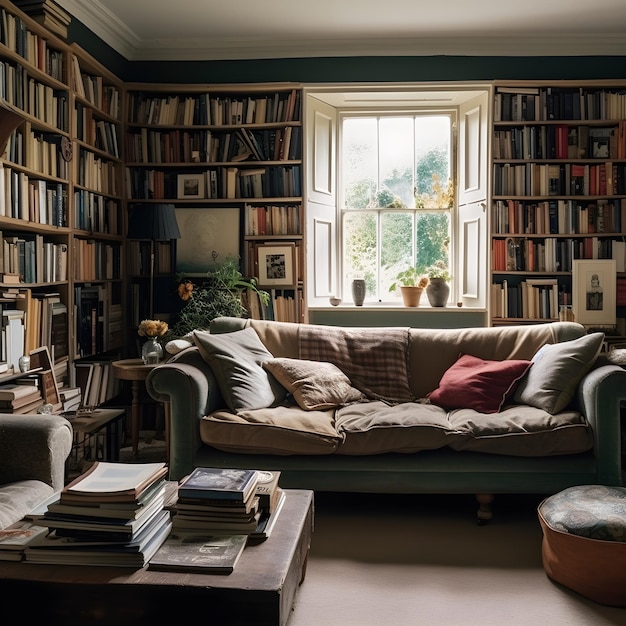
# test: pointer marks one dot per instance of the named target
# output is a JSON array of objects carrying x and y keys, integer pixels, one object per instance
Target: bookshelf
[
  {"x": 61, "y": 221},
  {"x": 558, "y": 192},
  {"x": 213, "y": 149}
]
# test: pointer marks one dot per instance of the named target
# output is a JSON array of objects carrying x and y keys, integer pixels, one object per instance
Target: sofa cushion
[
  {"x": 520, "y": 430},
  {"x": 315, "y": 385},
  {"x": 376, "y": 427},
  {"x": 236, "y": 360},
  {"x": 478, "y": 384},
  {"x": 282, "y": 430},
  {"x": 551, "y": 382}
]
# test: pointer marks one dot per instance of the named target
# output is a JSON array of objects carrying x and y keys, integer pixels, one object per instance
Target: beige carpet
[{"x": 422, "y": 560}]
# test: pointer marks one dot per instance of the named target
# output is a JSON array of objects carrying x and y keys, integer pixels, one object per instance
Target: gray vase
[
  {"x": 358, "y": 291},
  {"x": 437, "y": 292}
]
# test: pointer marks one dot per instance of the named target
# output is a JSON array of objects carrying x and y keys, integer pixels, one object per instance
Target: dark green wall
[{"x": 350, "y": 69}]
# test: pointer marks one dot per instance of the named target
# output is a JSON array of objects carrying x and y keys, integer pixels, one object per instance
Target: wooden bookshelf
[
  {"x": 558, "y": 191},
  {"x": 213, "y": 147}
]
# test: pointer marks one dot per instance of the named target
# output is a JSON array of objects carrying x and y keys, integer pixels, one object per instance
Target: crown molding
[{"x": 122, "y": 39}]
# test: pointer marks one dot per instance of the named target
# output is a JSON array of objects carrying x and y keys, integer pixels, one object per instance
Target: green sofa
[
  {"x": 376, "y": 445},
  {"x": 33, "y": 452}
]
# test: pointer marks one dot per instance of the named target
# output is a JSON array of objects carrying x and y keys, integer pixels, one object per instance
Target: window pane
[
  {"x": 432, "y": 148},
  {"x": 396, "y": 249},
  {"x": 360, "y": 162},
  {"x": 396, "y": 161},
  {"x": 360, "y": 251}
]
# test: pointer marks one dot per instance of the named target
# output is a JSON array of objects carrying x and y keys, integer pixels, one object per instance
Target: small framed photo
[
  {"x": 190, "y": 186},
  {"x": 276, "y": 265},
  {"x": 594, "y": 287}
]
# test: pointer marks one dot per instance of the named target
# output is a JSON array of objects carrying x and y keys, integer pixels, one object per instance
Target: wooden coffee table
[{"x": 260, "y": 591}]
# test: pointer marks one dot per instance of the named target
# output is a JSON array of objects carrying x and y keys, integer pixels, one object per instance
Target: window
[{"x": 396, "y": 195}]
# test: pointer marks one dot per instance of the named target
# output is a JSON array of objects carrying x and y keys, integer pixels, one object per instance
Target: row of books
[
  {"x": 96, "y": 381},
  {"x": 32, "y": 258},
  {"x": 43, "y": 155},
  {"x": 97, "y": 260},
  {"x": 99, "y": 133},
  {"x": 575, "y": 179},
  {"x": 553, "y": 103},
  {"x": 92, "y": 88},
  {"x": 98, "y": 315},
  {"x": 32, "y": 199},
  {"x": 206, "y": 146},
  {"x": 282, "y": 219},
  {"x": 515, "y": 254},
  {"x": 32, "y": 96},
  {"x": 214, "y": 109},
  {"x": 96, "y": 213},
  {"x": 29, "y": 45},
  {"x": 558, "y": 217},
  {"x": 534, "y": 299},
  {"x": 96, "y": 173},
  {"x": 220, "y": 182}
]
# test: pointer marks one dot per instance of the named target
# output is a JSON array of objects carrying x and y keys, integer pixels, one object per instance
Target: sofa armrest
[
  {"x": 601, "y": 394},
  {"x": 34, "y": 447},
  {"x": 187, "y": 383}
]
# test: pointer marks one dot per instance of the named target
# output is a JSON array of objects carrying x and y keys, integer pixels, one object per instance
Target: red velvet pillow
[{"x": 473, "y": 383}]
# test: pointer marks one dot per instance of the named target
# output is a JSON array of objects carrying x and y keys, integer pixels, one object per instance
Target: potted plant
[
  {"x": 219, "y": 294},
  {"x": 411, "y": 284},
  {"x": 438, "y": 288}
]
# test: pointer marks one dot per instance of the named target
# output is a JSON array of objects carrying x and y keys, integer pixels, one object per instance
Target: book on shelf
[
  {"x": 15, "y": 539},
  {"x": 14, "y": 391},
  {"x": 121, "y": 482},
  {"x": 32, "y": 399},
  {"x": 199, "y": 554},
  {"x": 218, "y": 483}
]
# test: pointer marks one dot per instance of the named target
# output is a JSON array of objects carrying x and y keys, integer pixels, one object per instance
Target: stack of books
[
  {"x": 20, "y": 398},
  {"x": 113, "y": 514},
  {"x": 215, "y": 501},
  {"x": 217, "y": 513}
]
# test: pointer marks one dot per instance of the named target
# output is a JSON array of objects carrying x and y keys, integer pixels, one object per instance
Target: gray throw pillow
[
  {"x": 236, "y": 360},
  {"x": 550, "y": 384}
]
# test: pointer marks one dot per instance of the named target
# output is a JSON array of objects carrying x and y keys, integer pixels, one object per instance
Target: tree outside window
[{"x": 397, "y": 196}]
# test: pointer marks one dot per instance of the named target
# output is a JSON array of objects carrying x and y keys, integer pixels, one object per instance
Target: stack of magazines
[{"x": 113, "y": 514}]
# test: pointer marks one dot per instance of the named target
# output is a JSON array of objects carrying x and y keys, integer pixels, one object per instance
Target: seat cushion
[
  {"x": 282, "y": 430},
  {"x": 584, "y": 541}
]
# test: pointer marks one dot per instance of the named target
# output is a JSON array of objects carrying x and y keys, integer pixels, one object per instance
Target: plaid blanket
[{"x": 375, "y": 360}]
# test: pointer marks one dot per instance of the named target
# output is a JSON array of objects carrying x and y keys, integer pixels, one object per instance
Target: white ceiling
[{"x": 244, "y": 29}]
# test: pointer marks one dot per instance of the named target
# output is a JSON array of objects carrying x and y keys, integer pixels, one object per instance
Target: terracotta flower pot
[{"x": 411, "y": 295}]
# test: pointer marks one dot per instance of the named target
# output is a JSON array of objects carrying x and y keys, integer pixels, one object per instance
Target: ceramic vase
[
  {"x": 437, "y": 292},
  {"x": 152, "y": 351},
  {"x": 358, "y": 291}
]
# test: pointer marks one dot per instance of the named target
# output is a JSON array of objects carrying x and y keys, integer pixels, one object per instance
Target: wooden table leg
[
  {"x": 167, "y": 415},
  {"x": 135, "y": 408}
]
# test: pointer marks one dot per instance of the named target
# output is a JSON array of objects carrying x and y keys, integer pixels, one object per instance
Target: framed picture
[
  {"x": 594, "y": 286},
  {"x": 207, "y": 237},
  {"x": 190, "y": 186},
  {"x": 276, "y": 265}
]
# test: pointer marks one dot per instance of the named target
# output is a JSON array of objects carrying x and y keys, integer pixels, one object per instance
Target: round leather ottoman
[{"x": 584, "y": 541}]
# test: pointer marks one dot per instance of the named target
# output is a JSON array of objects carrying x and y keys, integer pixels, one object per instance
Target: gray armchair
[{"x": 33, "y": 451}]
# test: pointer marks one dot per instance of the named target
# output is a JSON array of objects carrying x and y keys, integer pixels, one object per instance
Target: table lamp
[{"x": 154, "y": 222}]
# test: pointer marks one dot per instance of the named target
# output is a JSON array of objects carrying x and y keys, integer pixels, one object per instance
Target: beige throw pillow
[{"x": 315, "y": 385}]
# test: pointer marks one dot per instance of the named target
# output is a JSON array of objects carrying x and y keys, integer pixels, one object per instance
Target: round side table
[{"x": 136, "y": 371}]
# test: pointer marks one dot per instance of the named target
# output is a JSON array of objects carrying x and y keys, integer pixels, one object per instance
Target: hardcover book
[
  {"x": 218, "y": 483},
  {"x": 193, "y": 553}
]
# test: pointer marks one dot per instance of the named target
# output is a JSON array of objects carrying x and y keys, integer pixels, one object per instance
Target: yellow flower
[
  {"x": 185, "y": 290},
  {"x": 152, "y": 328}
]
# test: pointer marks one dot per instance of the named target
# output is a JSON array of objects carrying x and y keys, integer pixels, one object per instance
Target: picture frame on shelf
[
  {"x": 276, "y": 265},
  {"x": 594, "y": 287},
  {"x": 207, "y": 237},
  {"x": 190, "y": 186}
]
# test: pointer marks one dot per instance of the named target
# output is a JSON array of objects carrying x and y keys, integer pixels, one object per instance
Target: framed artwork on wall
[
  {"x": 276, "y": 265},
  {"x": 207, "y": 237},
  {"x": 190, "y": 186},
  {"x": 594, "y": 289}
]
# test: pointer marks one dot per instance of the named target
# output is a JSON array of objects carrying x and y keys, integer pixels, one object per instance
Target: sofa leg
[{"x": 484, "y": 512}]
